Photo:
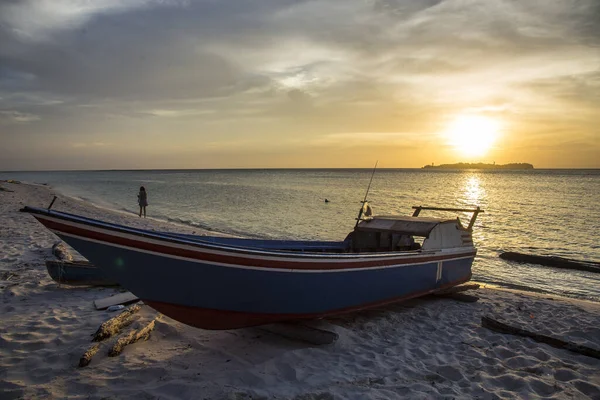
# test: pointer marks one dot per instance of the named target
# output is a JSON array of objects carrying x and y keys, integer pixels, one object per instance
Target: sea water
[{"x": 544, "y": 212}]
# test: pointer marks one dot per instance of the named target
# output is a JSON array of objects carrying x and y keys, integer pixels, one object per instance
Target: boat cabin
[
  {"x": 387, "y": 233},
  {"x": 406, "y": 233}
]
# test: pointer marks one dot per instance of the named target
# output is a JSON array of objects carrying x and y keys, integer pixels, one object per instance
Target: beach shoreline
[{"x": 423, "y": 348}]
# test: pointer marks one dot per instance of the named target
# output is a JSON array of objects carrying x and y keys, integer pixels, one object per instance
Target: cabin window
[
  {"x": 404, "y": 242},
  {"x": 384, "y": 241}
]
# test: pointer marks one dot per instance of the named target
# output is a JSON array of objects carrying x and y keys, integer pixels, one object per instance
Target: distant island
[{"x": 480, "y": 166}]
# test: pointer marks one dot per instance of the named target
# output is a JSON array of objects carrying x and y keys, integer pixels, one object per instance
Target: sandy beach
[{"x": 426, "y": 348}]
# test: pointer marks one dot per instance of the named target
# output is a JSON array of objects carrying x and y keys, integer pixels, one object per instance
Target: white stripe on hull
[
  {"x": 291, "y": 270},
  {"x": 257, "y": 254}
]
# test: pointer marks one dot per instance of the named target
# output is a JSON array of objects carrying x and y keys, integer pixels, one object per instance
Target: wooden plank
[
  {"x": 121, "y": 298},
  {"x": 301, "y": 332},
  {"x": 552, "y": 261},
  {"x": 498, "y": 326}
]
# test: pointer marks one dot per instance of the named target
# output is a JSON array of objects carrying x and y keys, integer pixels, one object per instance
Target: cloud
[
  {"x": 80, "y": 145},
  {"x": 178, "y": 113},
  {"x": 37, "y": 20},
  {"x": 367, "y": 139},
  {"x": 581, "y": 89},
  {"x": 291, "y": 67},
  {"x": 11, "y": 117},
  {"x": 210, "y": 49}
]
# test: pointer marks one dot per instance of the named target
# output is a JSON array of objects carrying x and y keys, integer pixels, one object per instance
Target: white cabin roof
[{"x": 419, "y": 226}]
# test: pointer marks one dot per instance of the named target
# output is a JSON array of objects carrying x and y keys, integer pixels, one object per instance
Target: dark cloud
[
  {"x": 165, "y": 52},
  {"x": 139, "y": 54}
]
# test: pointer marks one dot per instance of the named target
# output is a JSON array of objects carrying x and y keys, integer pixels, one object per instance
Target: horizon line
[{"x": 298, "y": 168}]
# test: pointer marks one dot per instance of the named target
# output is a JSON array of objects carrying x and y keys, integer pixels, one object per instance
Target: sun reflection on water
[
  {"x": 474, "y": 195},
  {"x": 473, "y": 191}
]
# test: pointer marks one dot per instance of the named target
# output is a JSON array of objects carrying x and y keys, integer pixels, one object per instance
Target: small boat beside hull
[
  {"x": 226, "y": 284},
  {"x": 77, "y": 273}
]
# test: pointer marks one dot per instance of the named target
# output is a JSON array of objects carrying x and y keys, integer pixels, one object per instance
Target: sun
[{"x": 472, "y": 135}]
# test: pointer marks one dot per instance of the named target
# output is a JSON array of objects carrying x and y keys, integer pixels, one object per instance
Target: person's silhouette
[{"x": 143, "y": 200}]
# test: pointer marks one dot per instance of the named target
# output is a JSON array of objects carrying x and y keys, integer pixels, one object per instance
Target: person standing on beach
[{"x": 142, "y": 200}]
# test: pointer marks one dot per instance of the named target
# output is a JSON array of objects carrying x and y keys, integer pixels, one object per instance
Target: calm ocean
[{"x": 546, "y": 212}]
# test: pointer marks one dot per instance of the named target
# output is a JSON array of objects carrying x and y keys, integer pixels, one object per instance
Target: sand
[{"x": 427, "y": 348}]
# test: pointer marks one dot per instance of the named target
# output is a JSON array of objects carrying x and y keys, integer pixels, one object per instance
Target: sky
[{"x": 152, "y": 84}]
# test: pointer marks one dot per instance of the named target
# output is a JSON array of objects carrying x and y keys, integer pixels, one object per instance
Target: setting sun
[{"x": 472, "y": 135}]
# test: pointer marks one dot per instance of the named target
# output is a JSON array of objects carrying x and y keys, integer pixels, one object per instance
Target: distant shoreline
[
  {"x": 480, "y": 166},
  {"x": 8, "y": 172}
]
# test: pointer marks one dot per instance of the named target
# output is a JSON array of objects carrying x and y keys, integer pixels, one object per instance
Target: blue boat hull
[
  {"x": 211, "y": 284},
  {"x": 211, "y": 296}
]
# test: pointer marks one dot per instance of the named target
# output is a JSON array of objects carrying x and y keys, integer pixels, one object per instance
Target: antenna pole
[{"x": 366, "y": 194}]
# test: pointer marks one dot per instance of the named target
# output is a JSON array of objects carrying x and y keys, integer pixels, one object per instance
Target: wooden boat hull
[
  {"x": 212, "y": 286},
  {"x": 77, "y": 273}
]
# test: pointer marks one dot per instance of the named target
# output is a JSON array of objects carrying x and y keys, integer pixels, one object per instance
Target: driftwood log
[
  {"x": 114, "y": 325},
  {"x": 498, "y": 326},
  {"x": 552, "y": 261},
  {"x": 62, "y": 252},
  {"x": 131, "y": 337},
  {"x": 86, "y": 358}
]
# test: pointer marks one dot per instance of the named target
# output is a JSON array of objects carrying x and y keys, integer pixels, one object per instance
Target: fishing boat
[
  {"x": 77, "y": 273},
  {"x": 228, "y": 283}
]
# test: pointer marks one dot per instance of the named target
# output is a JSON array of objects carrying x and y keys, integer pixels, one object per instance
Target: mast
[{"x": 360, "y": 212}]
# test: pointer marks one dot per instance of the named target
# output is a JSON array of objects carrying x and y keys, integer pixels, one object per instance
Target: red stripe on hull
[
  {"x": 293, "y": 262},
  {"x": 211, "y": 319}
]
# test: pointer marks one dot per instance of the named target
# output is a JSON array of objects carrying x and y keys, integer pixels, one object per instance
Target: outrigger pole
[{"x": 360, "y": 212}]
